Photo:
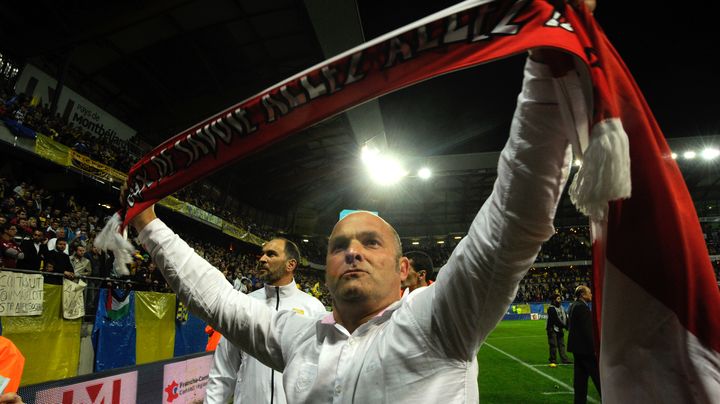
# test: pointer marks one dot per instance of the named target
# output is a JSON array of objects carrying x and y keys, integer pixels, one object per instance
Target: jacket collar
[{"x": 284, "y": 290}]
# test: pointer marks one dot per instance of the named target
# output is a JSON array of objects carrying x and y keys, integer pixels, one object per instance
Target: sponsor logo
[{"x": 172, "y": 391}]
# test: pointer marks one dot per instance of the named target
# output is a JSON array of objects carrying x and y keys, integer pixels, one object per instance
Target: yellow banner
[
  {"x": 52, "y": 150},
  {"x": 155, "y": 326},
  {"x": 190, "y": 210},
  {"x": 241, "y": 234},
  {"x": 95, "y": 169},
  {"x": 65, "y": 156},
  {"x": 520, "y": 308},
  {"x": 51, "y": 345}
]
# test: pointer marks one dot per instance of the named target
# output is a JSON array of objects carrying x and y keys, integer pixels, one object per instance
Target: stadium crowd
[
  {"x": 27, "y": 115},
  {"x": 27, "y": 209}
]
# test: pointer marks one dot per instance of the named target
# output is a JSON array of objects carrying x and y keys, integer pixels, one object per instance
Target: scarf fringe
[
  {"x": 605, "y": 171},
  {"x": 112, "y": 239}
]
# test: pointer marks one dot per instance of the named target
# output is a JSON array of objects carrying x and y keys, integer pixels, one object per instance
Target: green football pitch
[{"x": 514, "y": 367}]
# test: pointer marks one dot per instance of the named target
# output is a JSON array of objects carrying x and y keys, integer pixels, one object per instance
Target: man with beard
[
  {"x": 60, "y": 263},
  {"x": 420, "y": 270},
  {"x": 556, "y": 321},
  {"x": 236, "y": 372},
  {"x": 34, "y": 250}
]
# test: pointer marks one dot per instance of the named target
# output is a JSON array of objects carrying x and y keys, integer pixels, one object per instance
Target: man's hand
[
  {"x": 69, "y": 275},
  {"x": 143, "y": 218},
  {"x": 560, "y": 62},
  {"x": 10, "y": 398}
]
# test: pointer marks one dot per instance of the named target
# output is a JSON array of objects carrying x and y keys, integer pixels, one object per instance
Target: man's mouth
[{"x": 353, "y": 272}]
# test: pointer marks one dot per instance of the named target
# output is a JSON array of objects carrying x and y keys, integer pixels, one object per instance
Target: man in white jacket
[
  {"x": 236, "y": 374},
  {"x": 375, "y": 346}
]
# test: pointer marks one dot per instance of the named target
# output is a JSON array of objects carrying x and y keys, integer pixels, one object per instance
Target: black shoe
[{"x": 567, "y": 362}]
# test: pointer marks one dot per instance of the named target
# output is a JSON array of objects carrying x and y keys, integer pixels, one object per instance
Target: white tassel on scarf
[
  {"x": 604, "y": 174},
  {"x": 605, "y": 171},
  {"x": 111, "y": 239}
]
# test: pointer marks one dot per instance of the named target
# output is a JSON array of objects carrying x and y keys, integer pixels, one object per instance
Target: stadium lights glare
[
  {"x": 457, "y": 237},
  {"x": 710, "y": 153},
  {"x": 415, "y": 243},
  {"x": 689, "y": 155},
  {"x": 578, "y": 163},
  {"x": 383, "y": 169},
  {"x": 674, "y": 156},
  {"x": 440, "y": 242},
  {"x": 424, "y": 173},
  {"x": 369, "y": 154},
  {"x": 306, "y": 240}
]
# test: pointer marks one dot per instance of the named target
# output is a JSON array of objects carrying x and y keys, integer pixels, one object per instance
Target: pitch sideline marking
[
  {"x": 520, "y": 361},
  {"x": 519, "y": 336}
]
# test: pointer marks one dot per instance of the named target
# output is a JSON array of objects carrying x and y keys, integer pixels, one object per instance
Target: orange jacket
[
  {"x": 11, "y": 365},
  {"x": 213, "y": 338}
]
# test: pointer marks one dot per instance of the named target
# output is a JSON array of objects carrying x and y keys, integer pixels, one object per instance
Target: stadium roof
[{"x": 162, "y": 66}]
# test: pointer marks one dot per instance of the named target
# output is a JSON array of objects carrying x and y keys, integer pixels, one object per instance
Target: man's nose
[{"x": 352, "y": 254}]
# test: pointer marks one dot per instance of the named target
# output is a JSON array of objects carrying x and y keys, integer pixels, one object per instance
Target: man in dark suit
[
  {"x": 556, "y": 322},
  {"x": 581, "y": 344},
  {"x": 35, "y": 251},
  {"x": 60, "y": 263}
]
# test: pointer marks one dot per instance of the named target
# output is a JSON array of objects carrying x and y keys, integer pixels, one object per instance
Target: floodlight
[
  {"x": 689, "y": 155},
  {"x": 424, "y": 173},
  {"x": 710, "y": 153}
]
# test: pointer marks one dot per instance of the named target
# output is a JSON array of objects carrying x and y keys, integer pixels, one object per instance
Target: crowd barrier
[
  {"x": 130, "y": 328},
  {"x": 177, "y": 381}
]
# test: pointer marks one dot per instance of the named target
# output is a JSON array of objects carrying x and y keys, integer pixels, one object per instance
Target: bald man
[
  {"x": 581, "y": 344},
  {"x": 375, "y": 346}
]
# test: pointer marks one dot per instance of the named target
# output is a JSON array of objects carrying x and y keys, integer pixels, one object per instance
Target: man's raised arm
[
  {"x": 480, "y": 280},
  {"x": 245, "y": 322}
]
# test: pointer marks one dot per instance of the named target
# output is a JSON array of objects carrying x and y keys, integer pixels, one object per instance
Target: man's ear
[
  {"x": 404, "y": 268},
  {"x": 421, "y": 274},
  {"x": 291, "y": 265}
]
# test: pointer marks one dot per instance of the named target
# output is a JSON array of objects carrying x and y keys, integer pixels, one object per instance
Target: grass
[{"x": 505, "y": 380}]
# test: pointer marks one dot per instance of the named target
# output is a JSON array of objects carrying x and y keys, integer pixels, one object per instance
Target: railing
[{"x": 94, "y": 283}]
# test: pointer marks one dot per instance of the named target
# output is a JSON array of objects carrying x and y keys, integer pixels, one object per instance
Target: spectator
[
  {"x": 10, "y": 251},
  {"x": 34, "y": 250},
  {"x": 60, "y": 263},
  {"x": 59, "y": 235},
  {"x": 81, "y": 265}
]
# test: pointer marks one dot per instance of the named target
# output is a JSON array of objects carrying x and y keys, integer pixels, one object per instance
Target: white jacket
[
  {"x": 422, "y": 348},
  {"x": 236, "y": 374}
]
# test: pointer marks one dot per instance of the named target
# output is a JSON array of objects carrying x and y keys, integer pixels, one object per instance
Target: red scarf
[{"x": 649, "y": 247}]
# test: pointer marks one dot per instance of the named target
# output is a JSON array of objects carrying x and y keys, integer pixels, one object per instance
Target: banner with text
[
  {"x": 73, "y": 107},
  {"x": 20, "y": 294},
  {"x": 52, "y": 150},
  {"x": 115, "y": 389},
  {"x": 185, "y": 381},
  {"x": 190, "y": 210},
  {"x": 49, "y": 343},
  {"x": 95, "y": 169},
  {"x": 73, "y": 299},
  {"x": 241, "y": 234}
]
